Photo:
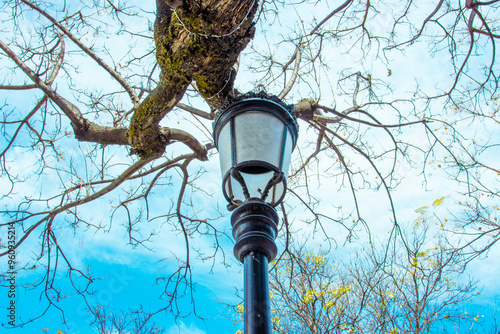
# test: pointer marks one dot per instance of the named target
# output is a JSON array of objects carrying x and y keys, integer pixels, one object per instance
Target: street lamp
[{"x": 255, "y": 135}]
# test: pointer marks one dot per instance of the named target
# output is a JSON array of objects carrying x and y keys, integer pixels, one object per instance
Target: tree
[
  {"x": 415, "y": 289},
  {"x": 122, "y": 96}
]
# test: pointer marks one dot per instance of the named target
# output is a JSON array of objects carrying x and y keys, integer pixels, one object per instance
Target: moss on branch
[{"x": 197, "y": 43}]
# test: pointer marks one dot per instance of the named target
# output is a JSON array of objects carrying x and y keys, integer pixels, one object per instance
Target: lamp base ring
[{"x": 255, "y": 227}]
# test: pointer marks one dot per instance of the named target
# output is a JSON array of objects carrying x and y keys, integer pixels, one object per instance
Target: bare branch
[{"x": 90, "y": 53}]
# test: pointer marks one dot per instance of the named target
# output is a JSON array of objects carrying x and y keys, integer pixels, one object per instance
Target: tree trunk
[{"x": 197, "y": 41}]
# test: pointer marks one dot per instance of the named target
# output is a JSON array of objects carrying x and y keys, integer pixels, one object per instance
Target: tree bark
[{"x": 197, "y": 41}]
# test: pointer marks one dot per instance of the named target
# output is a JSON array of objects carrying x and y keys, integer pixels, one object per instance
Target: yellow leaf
[
  {"x": 421, "y": 210},
  {"x": 439, "y": 201}
]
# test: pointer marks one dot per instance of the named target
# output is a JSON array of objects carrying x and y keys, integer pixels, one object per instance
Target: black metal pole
[
  {"x": 255, "y": 226},
  {"x": 257, "y": 302}
]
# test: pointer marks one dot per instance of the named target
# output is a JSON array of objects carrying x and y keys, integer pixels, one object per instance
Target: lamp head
[{"x": 255, "y": 135}]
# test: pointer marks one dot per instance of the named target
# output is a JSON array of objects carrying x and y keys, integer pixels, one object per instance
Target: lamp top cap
[
  {"x": 231, "y": 99},
  {"x": 285, "y": 111}
]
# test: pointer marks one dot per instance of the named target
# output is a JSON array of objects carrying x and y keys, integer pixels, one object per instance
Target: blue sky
[
  {"x": 126, "y": 288},
  {"x": 123, "y": 289},
  {"x": 129, "y": 273}
]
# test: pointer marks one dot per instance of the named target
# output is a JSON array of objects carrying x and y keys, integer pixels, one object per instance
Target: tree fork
[{"x": 196, "y": 41}]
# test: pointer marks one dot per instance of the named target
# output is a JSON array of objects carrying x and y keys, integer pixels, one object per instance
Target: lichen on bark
[{"x": 198, "y": 42}]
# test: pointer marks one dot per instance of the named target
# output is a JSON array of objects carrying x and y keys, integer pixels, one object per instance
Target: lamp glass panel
[
  {"x": 224, "y": 148},
  {"x": 287, "y": 155},
  {"x": 258, "y": 137},
  {"x": 256, "y": 184},
  {"x": 275, "y": 193}
]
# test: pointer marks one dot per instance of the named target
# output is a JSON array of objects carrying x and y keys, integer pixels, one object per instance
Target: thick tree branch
[
  {"x": 86, "y": 130},
  {"x": 199, "y": 42}
]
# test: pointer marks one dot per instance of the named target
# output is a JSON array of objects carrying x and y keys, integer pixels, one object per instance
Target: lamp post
[{"x": 255, "y": 135}]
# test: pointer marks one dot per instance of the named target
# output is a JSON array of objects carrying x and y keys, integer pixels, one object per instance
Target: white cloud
[{"x": 181, "y": 328}]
